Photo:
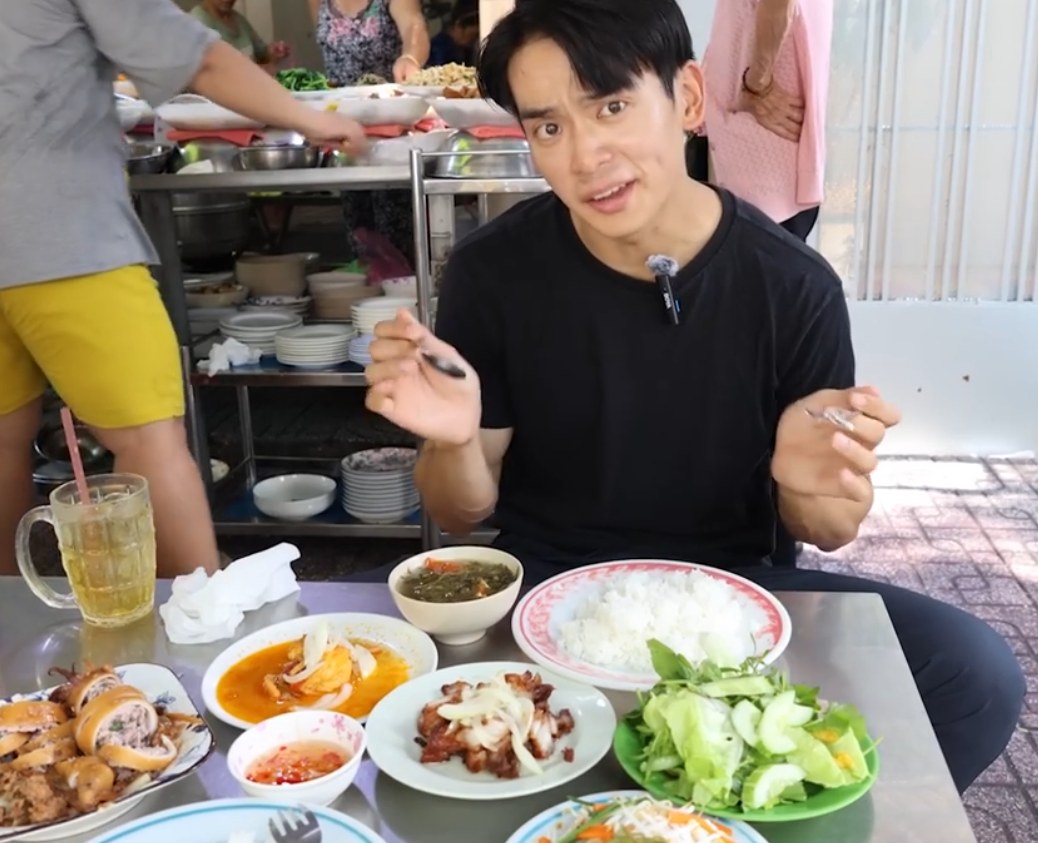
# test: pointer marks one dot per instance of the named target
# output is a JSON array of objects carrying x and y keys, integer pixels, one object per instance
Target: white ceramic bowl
[
  {"x": 457, "y": 623},
  {"x": 403, "y": 287},
  {"x": 294, "y": 497},
  {"x": 293, "y": 727}
]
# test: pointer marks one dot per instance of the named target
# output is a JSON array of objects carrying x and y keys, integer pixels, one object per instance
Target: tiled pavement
[{"x": 966, "y": 532}]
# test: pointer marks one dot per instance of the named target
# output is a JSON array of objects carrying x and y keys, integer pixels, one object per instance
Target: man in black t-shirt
[{"x": 606, "y": 415}]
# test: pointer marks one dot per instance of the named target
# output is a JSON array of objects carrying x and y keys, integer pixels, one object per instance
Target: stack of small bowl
[
  {"x": 368, "y": 313},
  {"x": 335, "y": 293},
  {"x": 378, "y": 485}
]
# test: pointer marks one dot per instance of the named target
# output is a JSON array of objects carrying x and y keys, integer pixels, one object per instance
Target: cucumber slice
[
  {"x": 801, "y": 715},
  {"x": 765, "y": 785},
  {"x": 745, "y": 719},
  {"x": 737, "y": 686},
  {"x": 775, "y": 722}
]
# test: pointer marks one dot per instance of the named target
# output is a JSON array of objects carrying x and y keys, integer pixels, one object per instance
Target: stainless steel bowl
[
  {"x": 336, "y": 158},
  {"x": 148, "y": 157},
  {"x": 52, "y": 445},
  {"x": 494, "y": 158},
  {"x": 279, "y": 157}
]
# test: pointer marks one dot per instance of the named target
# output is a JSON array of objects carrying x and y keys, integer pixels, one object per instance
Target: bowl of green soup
[{"x": 456, "y": 593}]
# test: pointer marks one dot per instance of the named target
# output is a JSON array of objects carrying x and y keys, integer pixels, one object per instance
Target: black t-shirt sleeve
[
  {"x": 469, "y": 318},
  {"x": 814, "y": 351}
]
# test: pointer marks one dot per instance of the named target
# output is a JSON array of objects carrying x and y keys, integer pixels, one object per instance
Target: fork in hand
[{"x": 295, "y": 825}]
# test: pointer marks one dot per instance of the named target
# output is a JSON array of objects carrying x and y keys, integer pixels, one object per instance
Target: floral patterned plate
[
  {"x": 539, "y": 616},
  {"x": 162, "y": 688}
]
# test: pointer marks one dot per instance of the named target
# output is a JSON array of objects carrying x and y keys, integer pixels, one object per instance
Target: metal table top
[{"x": 843, "y": 642}]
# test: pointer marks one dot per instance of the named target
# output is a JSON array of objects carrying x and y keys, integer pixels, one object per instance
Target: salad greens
[
  {"x": 301, "y": 79},
  {"x": 743, "y": 738}
]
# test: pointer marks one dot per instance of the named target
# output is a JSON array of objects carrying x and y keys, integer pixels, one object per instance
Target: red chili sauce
[{"x": 296, "y": 763}]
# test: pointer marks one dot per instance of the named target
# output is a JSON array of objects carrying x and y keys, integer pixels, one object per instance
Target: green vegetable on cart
[{"x": 302, "y": 80}]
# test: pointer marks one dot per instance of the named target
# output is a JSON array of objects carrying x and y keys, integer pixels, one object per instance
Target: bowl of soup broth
[{"x": 456, "y": 593}]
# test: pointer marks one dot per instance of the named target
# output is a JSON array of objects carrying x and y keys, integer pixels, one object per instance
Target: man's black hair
[{"x": 609, "y": 43}]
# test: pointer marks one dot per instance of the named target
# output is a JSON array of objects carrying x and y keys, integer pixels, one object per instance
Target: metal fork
[
  {"x": 838, "y": 416},
  {"x": 295, "y": 825}
]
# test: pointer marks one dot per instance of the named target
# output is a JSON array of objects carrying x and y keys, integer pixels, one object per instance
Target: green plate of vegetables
[{"x": 743, "y": 743}]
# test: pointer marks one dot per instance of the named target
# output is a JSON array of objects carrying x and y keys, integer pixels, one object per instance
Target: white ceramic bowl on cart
[
  {"x": 192, "y": 112},
  {"x": 221, "y": 820},
  {"x": 287, "y": 304},
  {"x": 584, "y": 597},
  {"x": 403, "y": 287},
  {"x": 461, "y": 622},
  {"x": 294, "y": 497},
  {"x": 382, "y": 111},
  {"x": 336, "y": 732},
  {"x": 471, "y": 113},
  {"x": 378, "y": 484},
  {"x": 406, "y": 643},
  {"x": 392, "y": 731}
]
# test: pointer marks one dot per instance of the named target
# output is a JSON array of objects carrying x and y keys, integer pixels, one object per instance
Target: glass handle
[{"x": 24, "y": 555}]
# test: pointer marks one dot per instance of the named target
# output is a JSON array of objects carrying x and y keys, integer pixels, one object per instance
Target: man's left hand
[{"x": 814, "y": 457}]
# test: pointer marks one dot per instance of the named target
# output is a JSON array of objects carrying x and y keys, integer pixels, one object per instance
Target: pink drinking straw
[{"x": 73, "y": 452}]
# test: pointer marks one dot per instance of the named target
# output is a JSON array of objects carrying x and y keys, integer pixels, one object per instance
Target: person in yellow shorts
[{"x": 78, "y": 306}]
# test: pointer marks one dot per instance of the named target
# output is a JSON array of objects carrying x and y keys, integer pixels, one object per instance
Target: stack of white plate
[
  {"x": 288, "y": 304},
  {"x": 257, "y": 330},
  {"x": 369, "y": 312},
  {"x": 378, "y": 485},
  {"x": 360, "y": 349},
  {"x": 314, "y": 346}
]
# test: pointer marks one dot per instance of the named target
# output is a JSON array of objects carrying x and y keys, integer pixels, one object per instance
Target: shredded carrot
[
  {"x": 441, "y": 566},
  {"x": 543, "y": 840},
  {"x": 682, "y": 818},
  {"x": 596, "y": 832}
]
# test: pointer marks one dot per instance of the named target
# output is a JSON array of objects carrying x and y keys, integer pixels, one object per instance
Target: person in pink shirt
[{"x": 766, "y": 72}]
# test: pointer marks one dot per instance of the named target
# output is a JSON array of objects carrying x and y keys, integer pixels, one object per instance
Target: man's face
[{"x": 613, "y": 161}]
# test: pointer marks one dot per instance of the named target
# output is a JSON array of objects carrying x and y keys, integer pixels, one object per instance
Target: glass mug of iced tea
[{"x": 107, "y": 549}]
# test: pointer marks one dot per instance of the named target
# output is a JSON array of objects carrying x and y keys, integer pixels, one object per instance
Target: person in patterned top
[{"x": 360, "y": 40}]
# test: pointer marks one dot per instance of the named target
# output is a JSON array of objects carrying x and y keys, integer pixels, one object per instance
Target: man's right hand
[{"x": 409, "y": 392}]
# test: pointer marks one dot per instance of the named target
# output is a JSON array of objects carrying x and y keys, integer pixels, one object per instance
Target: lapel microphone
[{"x": 664, "y": 269}]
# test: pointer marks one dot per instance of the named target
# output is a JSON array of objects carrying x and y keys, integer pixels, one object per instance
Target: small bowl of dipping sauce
[
  {"x": 456, "y": 593},
  {"x": 303, "y": 756}
]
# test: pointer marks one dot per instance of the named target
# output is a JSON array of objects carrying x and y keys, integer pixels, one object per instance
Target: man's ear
[{"x": 688, "y": 92}]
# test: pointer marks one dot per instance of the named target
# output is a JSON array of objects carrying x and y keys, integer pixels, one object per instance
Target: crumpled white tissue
[
  {"x": 203, "y": 609},
  {"x": 230, "y": 352}
]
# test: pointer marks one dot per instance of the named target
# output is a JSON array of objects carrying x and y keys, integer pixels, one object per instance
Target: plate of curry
[{"x": 337, "y": 662}]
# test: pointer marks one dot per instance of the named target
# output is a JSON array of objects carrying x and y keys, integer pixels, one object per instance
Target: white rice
[{"x": 693, "y": 614}]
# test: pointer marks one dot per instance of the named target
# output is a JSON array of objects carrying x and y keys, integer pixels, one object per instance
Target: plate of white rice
[{"x": 593, "y": 624}]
